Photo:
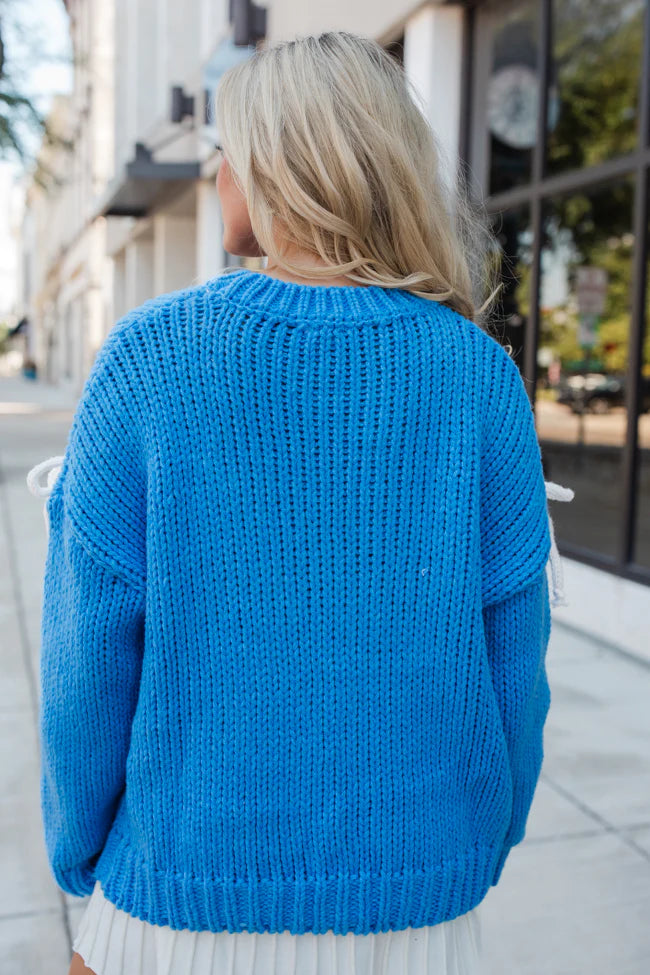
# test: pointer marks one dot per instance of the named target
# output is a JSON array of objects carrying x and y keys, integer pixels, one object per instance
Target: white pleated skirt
[{"x": 112, "y": 942}]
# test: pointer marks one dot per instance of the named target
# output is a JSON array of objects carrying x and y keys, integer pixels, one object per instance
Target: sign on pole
[{"x": 591, "y": 290}]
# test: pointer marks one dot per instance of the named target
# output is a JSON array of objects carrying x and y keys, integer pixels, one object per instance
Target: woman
[{"x": 295, "y": 606}]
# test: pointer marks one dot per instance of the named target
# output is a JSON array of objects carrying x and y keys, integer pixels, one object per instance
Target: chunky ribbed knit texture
[{"x": 295, "y": 613}]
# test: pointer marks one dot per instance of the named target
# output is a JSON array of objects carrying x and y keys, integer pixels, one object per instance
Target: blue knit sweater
[{"x": 295, "y": 613}]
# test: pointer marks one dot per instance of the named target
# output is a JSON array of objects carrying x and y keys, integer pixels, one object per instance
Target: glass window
[
  {"x": 582, "y": 358},
  {"x": 595, "y": 70},
  {"x": 510, "y": 311},
  {"x": 641, "y": 543},
  {"x": 512, "y": 95}
]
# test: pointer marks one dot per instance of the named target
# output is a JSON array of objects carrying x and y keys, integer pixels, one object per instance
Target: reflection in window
[
  {"x": 511, "y": 309},
  {"x": 594, "y": 84},
  {"x": 641, "y": 549},
  {"x": 513, "y": 96},
  {"x": 582, "y": 357}
]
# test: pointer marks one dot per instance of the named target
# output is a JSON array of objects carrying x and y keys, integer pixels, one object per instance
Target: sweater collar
[{"x": 305, "y": 302}]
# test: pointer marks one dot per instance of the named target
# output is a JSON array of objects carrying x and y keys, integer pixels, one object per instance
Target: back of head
[{"x": 326, "y": 141}]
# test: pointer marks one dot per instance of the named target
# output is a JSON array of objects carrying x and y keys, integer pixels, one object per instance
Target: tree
[
  {"x": 18, "y": 115},
  {"x": 596, "y": 65}
]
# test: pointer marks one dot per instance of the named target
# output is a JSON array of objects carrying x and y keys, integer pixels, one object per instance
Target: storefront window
[
  {"x": 512, "y": 307},
  {"x": 583, "y": 352},
  {"x": 595, "y": 69},
  {"x": 564, "y": 205},
  {"x": 512, "y": 95},
  {"x": 641, "y": 553}
]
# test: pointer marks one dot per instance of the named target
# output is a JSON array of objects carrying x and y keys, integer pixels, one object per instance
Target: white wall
[
  {"x": 286, "y": 18},
  {"x": 210, "y": 256},
  {"x": 102, "y": 114},
  {"x": 213, "y": 26},
  {"x": 139, "y": 264},
  {"x": 159, "y": 46},
  {"x": 174, "y": 254},
  {"x": 433, "y": 48},
  {"x": 8, "y": 249}
]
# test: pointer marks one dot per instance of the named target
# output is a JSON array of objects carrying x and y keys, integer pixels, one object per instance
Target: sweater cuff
[
  {"x": 501, "y": 862},
  {"x": 78, "y": 881}
]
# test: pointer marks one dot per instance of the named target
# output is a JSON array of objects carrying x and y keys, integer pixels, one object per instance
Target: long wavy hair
[{"x": 327, "y": 141}]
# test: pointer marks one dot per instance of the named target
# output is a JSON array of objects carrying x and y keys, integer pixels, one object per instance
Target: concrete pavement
[{"x": 574, "y": 898}]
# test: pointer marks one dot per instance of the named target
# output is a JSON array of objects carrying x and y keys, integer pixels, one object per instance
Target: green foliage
[
  {"x": 14, "y": 109},
  {"x": 18, "y": 112},
  {"x": 597, "y": 58},
  {"x": 4, "y": 334},
  {"x": 594, "y": 230}
]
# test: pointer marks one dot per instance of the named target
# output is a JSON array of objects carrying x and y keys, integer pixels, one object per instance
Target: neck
[{"x": 307, "y": 260}]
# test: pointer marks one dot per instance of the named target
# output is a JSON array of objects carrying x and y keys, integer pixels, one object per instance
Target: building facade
[
  {"x": 542, "y": 105},
  {"x": 65, "y": 271}
]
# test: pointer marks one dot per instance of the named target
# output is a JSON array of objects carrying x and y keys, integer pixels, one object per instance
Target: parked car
[{"x": 599, "y": 393}]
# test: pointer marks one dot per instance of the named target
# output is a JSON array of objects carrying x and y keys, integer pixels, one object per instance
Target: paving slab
[
  {"x": 35, "y": 944},
  {"x": 576, "y": 906},
  {"x": 26, "y": 883}
]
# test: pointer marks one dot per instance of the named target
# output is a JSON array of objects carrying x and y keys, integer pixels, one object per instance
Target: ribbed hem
[
  {"x": 306, "y": 302},
  {"x": 342, "y": 904}
]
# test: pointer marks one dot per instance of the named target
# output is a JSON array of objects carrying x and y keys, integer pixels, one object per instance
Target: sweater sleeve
[
  {"x": 517, "y": 631},
  {"x": 514, "y": 519},
  {"x": 92, "y": 621}
]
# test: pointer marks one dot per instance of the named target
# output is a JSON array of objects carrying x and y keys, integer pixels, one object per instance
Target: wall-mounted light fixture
[
  {"x": 182, "y": 105},
  {"x": 248, "y": 20}
]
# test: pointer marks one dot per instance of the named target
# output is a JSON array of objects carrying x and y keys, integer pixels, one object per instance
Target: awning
[{"x": 142, "y": 182}]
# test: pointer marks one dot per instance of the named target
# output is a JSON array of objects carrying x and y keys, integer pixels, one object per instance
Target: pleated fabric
[{"x": 112, "y": 942}]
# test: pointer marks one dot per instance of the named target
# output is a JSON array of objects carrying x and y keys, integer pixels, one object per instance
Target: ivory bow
[
  {"x": 53, "y": 466},
  {"x": 556, "y": 493}
]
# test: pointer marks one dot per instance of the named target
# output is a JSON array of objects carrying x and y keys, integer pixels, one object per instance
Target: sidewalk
[
  {"x": 20, "y": 396},
  {"x": 574, "y": 897}
]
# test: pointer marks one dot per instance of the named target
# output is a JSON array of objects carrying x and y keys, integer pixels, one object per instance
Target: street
[{"x": 574, "y": 897}]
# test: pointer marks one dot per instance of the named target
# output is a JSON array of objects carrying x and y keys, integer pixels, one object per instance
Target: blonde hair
[{"x": 326, "y": 142}]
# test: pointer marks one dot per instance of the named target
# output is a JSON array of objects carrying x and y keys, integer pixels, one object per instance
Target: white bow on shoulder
[
  {"x": 53, "y": 466},
  {"x": 556, "y": 492}
]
